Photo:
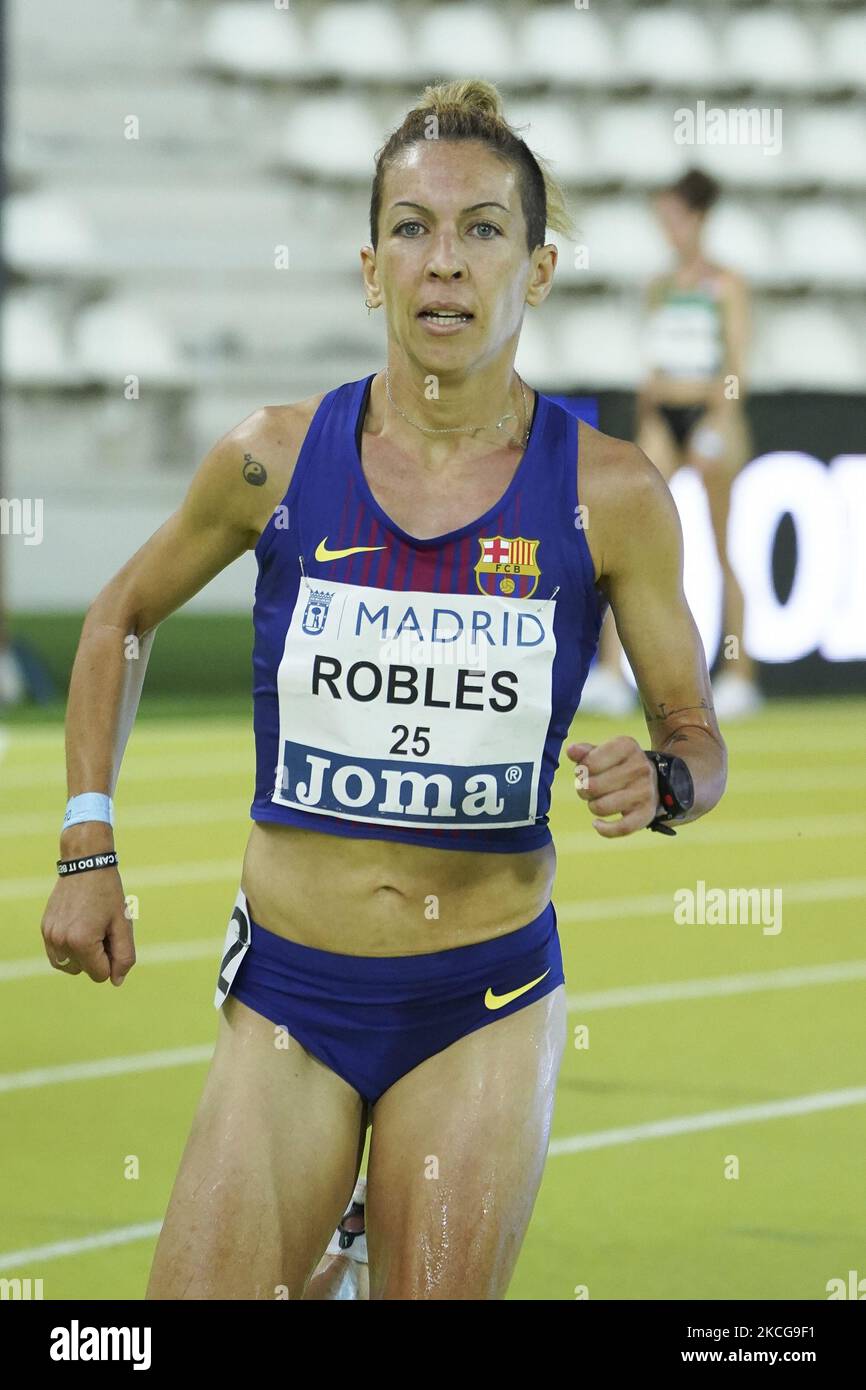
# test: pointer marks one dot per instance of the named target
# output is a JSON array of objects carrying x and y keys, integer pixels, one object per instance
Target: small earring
[{"x": 369, "y": 306}]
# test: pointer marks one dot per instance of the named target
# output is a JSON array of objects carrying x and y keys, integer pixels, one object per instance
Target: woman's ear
[
  {"x": 542, "y": 275},
  {"x": 368, "y": 272}
]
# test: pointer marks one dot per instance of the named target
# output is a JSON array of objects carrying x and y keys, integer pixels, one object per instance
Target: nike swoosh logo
[
  {"x": 323, "y": 553},
  {"x": 498, "y": 1001}
]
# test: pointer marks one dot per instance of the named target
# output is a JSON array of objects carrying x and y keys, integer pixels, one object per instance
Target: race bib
[
  {"x": 235, "y": 947},
  {"x": 414, "y": 708}
]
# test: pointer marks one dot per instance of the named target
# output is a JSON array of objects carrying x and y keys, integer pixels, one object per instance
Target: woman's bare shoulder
[
  {"x": 266, "y": 446},
  {"x": 618, "y": 485},
  {"x": 610, "y": 465}
]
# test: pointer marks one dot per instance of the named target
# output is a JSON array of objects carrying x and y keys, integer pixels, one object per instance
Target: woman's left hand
[{"x": 616, "y": 777}]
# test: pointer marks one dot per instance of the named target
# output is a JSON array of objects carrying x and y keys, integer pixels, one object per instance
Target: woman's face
[
  {"x": 681, "y": 224},
  {"x": 452, "y": 232}
]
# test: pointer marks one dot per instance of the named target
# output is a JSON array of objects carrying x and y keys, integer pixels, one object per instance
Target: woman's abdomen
[{"x": 381, "y": 897}]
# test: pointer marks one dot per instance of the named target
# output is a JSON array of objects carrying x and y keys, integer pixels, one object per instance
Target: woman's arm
[
  {"x": 220, "y": 517},
  {"x": 637, "y": 546},
  {"x": 736, "y": 331},
  {"x": 210, "y": 529}
]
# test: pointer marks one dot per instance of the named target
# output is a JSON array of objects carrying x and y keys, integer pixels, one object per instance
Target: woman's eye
[
  {"x": 403, "y": 225},
  {"x": 491, "y": 228}
]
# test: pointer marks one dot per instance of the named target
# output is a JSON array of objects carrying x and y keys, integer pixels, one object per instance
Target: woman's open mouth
[{"x": 444, "y": 320}]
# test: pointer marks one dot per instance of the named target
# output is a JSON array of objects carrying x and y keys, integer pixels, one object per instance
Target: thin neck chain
[{"x": 460, "y": 429}]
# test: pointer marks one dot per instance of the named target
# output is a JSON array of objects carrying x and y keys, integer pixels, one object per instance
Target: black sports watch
[{"x": 676, "y": 790}]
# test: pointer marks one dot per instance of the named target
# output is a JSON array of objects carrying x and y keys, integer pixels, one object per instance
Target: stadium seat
[
  {"x": 554, "y": 130},
  {"x": 188, "y": 227},
  {"x": 453, "y": 40},
  {"x": 332, "y": 137},
  {"x": 634, "y": 142},
  {"x": 844, "y": 49},
  {"x": 364, "y": 41},
  {"x": 754, "y": 155},
  {"x": 737, "y": 236},
  {"x": 181, "y": 121},
  {"x": 598, "y": 343},
  {"x": 47, "y": 232},
  {"x": 668, "y": 48},
  {"x": 770, "y": 49},
  {"x": 53, "y": 37},
  {"x": 33, "y": 346},
  {"x": 829, "y": 144},
  {"x": 114, "y": 338},
  {"x": 623, "y": 240},
  {"x": 561, "y": 45},
  {"x": 246, "y": 324},
  {"x": 535, "y": 359},
  {"x": 812, "y": 346},
  {"x": 256, "y": 41},
  {"x": 823, "y": 244}
]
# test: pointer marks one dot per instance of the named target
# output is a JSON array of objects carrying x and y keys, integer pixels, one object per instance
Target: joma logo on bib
[
  {"x": 391, "y": 791},
  {"x": 469, "y": 752}
]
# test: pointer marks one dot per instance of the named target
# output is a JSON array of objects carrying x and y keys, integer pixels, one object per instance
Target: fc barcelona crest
[{"x": 507, "y": 566}]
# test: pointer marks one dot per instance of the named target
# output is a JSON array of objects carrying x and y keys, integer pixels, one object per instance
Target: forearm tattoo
[{"x": 663, "y": 713}]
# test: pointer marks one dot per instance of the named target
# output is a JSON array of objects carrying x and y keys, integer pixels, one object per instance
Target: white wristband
[{"x": 88, "y": 806}]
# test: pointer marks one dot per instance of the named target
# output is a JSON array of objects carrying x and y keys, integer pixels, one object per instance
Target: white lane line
[
  {"x": 711, "y": 1119},
  {"x": 104, "y": 1066},
  {"x": 698, "y": 836},
  {"x": 121, "y": 1235},
  {"x": 221, "y": 870},
  {"x": 150, "y": 769},
  {"x": 156, "y": 813},
  {"x": 617, "y": 997},
  {"x": 662, "y": 904},
  {"x": 627, "y": 996},
  {"x": 172, "y": 953},
  {"x": 148, "y": 876},
  {"x": 153, "y": 815},
  {"x": 575, "y": 1143},
  {"x": 760, "y": 742},
  {"x": 718, "y": 986},
  {"x": 181, "y": 731}
]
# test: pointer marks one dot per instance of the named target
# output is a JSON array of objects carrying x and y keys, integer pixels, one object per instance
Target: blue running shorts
[{"x": 371, "y": 1019}]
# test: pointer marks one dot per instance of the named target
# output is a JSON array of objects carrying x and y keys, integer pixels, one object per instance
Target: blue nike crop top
[{"x": 419, "y": 690}]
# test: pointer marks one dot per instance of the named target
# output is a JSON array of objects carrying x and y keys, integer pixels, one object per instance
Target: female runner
[
  {"x": 690, "y": 411},
  {"x": 427, "y": 606}
]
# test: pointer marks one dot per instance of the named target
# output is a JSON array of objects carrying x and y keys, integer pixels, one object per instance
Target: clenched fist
[
  {"x": 616, "y": 777},
  {"x": 85, "y": 927}
]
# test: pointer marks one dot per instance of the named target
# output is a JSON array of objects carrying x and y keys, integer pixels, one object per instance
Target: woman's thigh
[
  {"x": 267, "y": 1171},
  {"x": 718, "y": 448},
  {"x": 457, "y": 1153}
]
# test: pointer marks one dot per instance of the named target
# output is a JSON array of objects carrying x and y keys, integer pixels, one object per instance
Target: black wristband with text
[{"x": 106, "y": 860}]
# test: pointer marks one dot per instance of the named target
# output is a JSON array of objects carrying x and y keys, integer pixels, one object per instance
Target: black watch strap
[{"x": 676, "y": 789}]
